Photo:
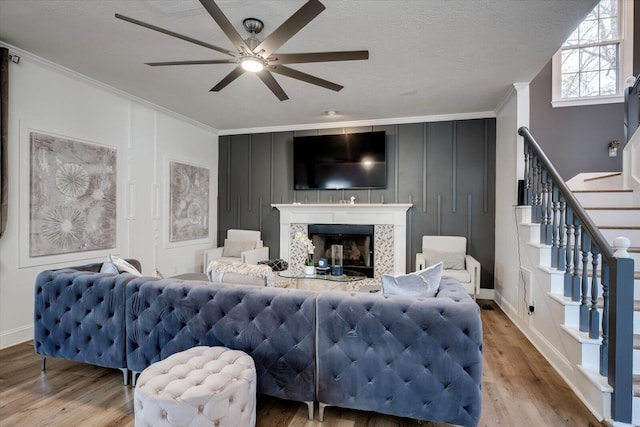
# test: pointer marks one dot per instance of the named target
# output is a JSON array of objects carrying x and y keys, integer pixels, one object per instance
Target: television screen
[{"x": 348, "y": 161}]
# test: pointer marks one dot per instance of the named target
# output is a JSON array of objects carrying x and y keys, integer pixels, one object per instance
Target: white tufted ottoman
[{"x": 202, "y": 386}]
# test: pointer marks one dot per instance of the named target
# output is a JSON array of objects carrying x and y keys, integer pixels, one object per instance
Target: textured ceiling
[{"x": 427, "y": 57}]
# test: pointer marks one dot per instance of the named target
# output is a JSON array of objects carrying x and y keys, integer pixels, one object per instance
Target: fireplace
[
  {"x": 389, "y": 222},
  {"x": 357, "y": 242}
]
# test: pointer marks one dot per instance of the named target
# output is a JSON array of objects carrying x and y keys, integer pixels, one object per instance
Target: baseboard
[{"x": 16, "y": 336}]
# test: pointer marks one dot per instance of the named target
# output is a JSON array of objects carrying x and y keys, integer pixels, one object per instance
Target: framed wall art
[
  {"x": 188, "y": 202},
  {"x": 72, "y": 200}
]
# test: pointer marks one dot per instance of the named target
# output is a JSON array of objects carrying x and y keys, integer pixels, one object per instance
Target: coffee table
[{"x": 320, "y": 282}]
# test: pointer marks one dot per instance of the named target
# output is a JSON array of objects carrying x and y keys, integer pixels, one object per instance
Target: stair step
[
  {"x": 610, "y": 232},
  {"x": 605, "y": 198},
  {"x": 597, "y": 178},
  {"x": 636, "y": 386},
  {"x": 627, "y": 217},
  {"x": 636, "y": 307},
  {"x": 610, "y": 190}
]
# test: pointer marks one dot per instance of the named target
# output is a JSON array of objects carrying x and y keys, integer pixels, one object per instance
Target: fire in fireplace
[{"x": 356, "y": 240}]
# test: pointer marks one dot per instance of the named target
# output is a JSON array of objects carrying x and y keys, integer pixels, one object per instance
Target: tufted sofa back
[
  {"x": 79, "y": 315},
  {"x": 412, "y": 357},
  {"x": 273, "y": 325}
]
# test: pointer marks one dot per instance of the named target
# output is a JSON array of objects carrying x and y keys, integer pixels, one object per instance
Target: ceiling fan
[{"x": 257, "y": 56}]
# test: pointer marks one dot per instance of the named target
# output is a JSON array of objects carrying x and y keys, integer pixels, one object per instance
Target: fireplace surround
[{"x": 388, "y": 220}]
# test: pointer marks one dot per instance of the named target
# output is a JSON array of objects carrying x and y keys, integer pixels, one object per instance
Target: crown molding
[{"x": 357, "y": 123}]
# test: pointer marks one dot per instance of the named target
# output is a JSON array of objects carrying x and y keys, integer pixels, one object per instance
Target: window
[{"x": 592, "y": 66}]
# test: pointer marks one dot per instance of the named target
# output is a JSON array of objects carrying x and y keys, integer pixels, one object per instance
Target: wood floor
[{"x": 519, "y": 388}]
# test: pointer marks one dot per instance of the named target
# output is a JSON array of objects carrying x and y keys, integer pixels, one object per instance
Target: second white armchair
[
  {"x": 240, "y": 246},
  {"x": 452, "y": 250}
]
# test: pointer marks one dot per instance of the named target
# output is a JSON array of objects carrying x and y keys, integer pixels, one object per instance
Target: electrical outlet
[{"x": 531, "y": 309}]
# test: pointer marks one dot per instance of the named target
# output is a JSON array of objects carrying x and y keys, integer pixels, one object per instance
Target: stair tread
[
  {"x": 596, "y": 178},
  {"x": 619, "y": 227},
  {"x": 603, "y": 191},
  {"x": 612, "y": 208},
  {"x": 636, "y": 306},
  {"x": 636, "y": 342},
  {"x": 636, "y": 386}
]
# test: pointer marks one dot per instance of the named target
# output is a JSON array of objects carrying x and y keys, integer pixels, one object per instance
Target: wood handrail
[{"x": 585, "y": 219}]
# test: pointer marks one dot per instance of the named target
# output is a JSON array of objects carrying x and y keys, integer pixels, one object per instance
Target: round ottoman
[{"x": 202, "y": 386}]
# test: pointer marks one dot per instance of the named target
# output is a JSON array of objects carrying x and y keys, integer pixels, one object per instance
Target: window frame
[{"x": 625, "y": 70}]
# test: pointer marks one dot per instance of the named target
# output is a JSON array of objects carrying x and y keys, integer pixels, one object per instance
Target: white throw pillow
[
  {"x": 115, "y": 265},
  {"x": 423, "y": 283},
  {"x": 233, "y": 248}
]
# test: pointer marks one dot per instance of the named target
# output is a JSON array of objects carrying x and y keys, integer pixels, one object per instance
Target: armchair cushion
[
  {"x": 233, "y": 248},
  {"x": 463, "y": 276},
  {"x": 451, "y": 260},
  {"x": 423, "y": 283}
]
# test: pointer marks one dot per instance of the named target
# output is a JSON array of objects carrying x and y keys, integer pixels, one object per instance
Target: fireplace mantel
[{"x": 394, "y": 214}]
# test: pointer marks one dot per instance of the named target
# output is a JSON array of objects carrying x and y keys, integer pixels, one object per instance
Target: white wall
[
  {"x": 513, "y": 113},
  {"x": 50, "y": 99}
]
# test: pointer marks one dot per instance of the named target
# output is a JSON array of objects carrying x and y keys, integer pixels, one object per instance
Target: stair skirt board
[{"x": 590, "y": 387}]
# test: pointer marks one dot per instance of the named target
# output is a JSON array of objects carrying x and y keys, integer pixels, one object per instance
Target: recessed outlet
[{"x": 531, "y": 309}]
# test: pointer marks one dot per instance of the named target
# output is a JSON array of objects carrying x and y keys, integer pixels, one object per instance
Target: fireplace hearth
[{"x": 357, "y": 242}]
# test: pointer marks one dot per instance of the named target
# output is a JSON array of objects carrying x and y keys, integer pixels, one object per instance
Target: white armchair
[
  {"x": 452, "y": 250},
  {"x": 240, "y": 246}
]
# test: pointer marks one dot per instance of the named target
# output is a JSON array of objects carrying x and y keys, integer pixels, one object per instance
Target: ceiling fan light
[{"x": 252, "y": 64}]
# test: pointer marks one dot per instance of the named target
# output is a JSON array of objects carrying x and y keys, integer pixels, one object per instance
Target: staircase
[
  {"x": 578, "y": 355},
  {"x": 613, "y": 210},
  {"x": 586, "y": 332}
]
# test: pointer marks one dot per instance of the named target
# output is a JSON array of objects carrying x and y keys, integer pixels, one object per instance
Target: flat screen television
[{"x": 347, "y": 161}]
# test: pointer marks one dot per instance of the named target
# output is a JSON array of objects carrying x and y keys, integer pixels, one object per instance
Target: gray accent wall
[
  {"x": 446, "y": 169},
  {"x": 575, "y": 138}
]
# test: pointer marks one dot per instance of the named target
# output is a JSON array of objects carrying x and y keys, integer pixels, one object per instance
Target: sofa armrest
[
  {"x": 421, "y": 262},
  {"x": 210, "y": 255},
  {"x": 79, "y": 315},
  {"x": 473, "y": 267},
  {"x": 255, "y": 255}
]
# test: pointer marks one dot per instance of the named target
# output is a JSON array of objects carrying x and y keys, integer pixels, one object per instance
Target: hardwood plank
[{"x": 519, "y": 388}]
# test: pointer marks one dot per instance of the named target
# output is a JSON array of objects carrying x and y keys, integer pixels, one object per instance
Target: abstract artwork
[
  {"x": 188, "y": 202},
  {"x": 73, "y": 196}
]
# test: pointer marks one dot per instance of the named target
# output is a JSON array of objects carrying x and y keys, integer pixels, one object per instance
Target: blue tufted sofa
[
  {"x": 273, "y": 325},
  {"x": 79, "y": 315},
  {"x": 412, "y": 357}
]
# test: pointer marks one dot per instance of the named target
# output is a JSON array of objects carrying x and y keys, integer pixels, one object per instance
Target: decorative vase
[
  {"x": 336, "y": 260},
  {"x": 309, "y": 270}
]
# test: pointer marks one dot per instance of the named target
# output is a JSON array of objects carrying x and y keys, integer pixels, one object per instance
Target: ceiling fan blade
[
  {"x": 224, "y": 24},
  {"x": 299, "y": 58},
  {"x": 307, "y": 78},
  {"x": 237, "y": 72},
  {"x": 197, "y": 62},
  {"x": 272, "y": 84},
  {"x": 176, "y": 35},
  {"x": 284, "y": 32}
]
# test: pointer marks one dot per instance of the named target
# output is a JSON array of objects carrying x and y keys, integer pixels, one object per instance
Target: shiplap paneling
[{"x": 446, "y": 169}]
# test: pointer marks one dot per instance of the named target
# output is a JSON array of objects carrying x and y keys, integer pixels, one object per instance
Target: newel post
[{"x": 621, "y": 338}]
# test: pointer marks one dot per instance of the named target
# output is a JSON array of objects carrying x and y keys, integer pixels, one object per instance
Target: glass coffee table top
[{"x": 348, "y": 276}]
